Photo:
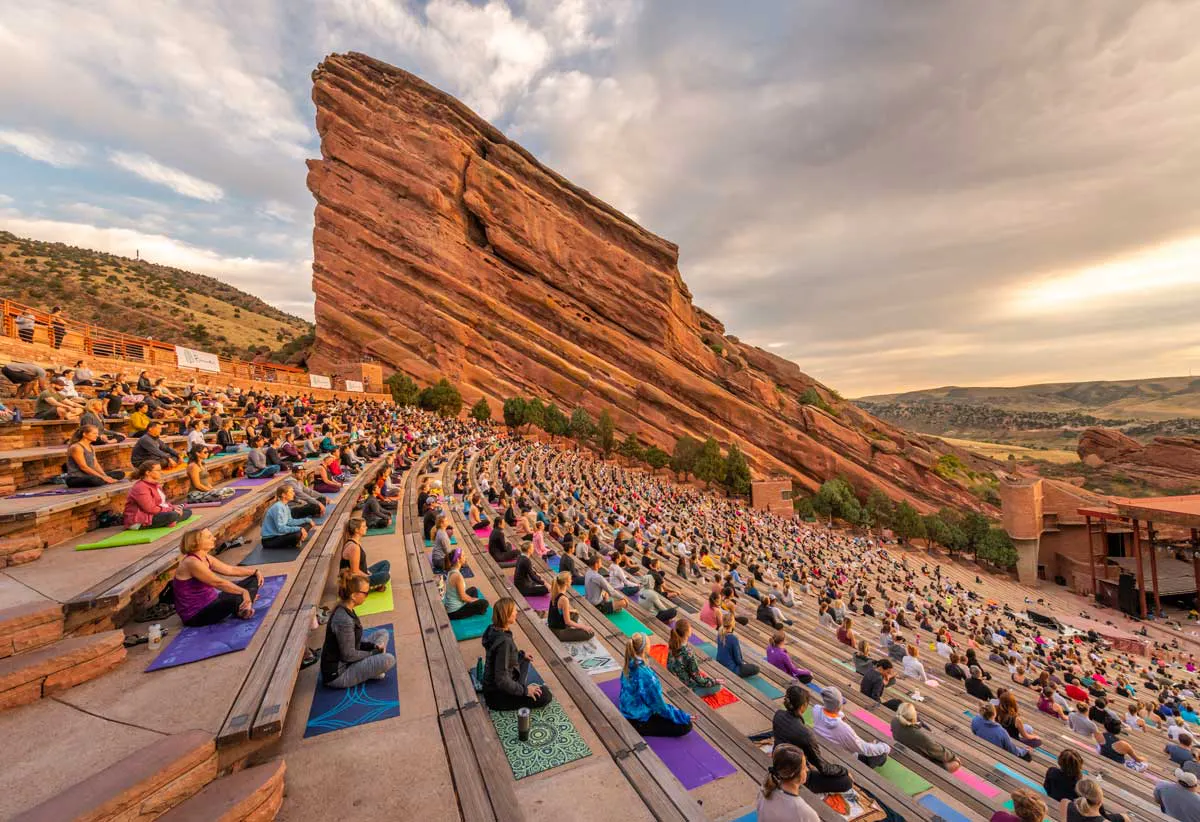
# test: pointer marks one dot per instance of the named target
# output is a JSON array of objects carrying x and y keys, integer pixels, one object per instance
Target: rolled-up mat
[
  {"x": 552, "y": 741},
  {"x": 336, "y": 708},
  {"x": 218, "y": 503},
  {"x": 942, "y": 809},
  {"x": 628, "y": 624},
  {"x": 693, "y": 761},
  {"x": 137, "y": 536},
  {"x": 250, "y": 482},
  {"x": 57, "y": 492},
  {"x": 473, "y": 626},
  {"x": 227, "y": 636},
  {"x": 377, "y": 602},
  {"x": 904, "y": 779}
]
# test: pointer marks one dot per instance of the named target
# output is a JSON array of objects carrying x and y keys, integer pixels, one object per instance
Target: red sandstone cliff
[
  {"x": 1167, "y": 463},
  {"x": 442, "y": 248}
]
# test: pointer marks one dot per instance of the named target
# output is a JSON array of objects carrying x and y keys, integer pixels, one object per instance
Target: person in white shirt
[
  {"x": 912, "y": 666},
  {"x": 831, "y": 727}
]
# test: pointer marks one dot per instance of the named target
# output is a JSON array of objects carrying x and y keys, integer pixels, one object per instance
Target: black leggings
[
  {"x": 470, "y": 609},
  {"x": 165, "y": 518},
  {"x": 291, "y": 540},
  {"x": 658, "y": 725},
  {"x": 572, "y": 634},
  {"x": 819, "y": 783},
  {"x": 500, "y": 701},
  {"x": 90, "y": 481},
  {"x": 534, "y": 590},
  {"x": 225, "y": 605}
]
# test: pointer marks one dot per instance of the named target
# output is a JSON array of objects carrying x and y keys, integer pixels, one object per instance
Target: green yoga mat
[
  {"x": 471, "y": 627},
  {"x": 764, "y": 686},
  {"x": 553, "y": 740},
  {"x": 429, "y": 542},
  {"x": 377, "y": 602},
  {"x": 628, "y": 624},
  {"x": 140, "y": 536},
  {"x": 902, "y": 777},
  {"x": 708, "y": 648},
  {"x": 375, "y": 532}
]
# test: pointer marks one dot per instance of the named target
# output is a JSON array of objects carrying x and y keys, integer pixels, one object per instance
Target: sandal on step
[
  {"x": 156, "y": 613},
  {"x": 134, "y": 640}
]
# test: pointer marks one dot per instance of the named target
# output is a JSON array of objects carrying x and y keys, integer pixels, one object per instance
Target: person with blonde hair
[
  {"x": 202, "y": 594},
  {"x": 1089, "y": 804},
  {"x": 729, "y": 650},
  {"x": 780, "y": 800},
  {"x": 908, "y": 731},
  {"x": 349, "y": 657},
  {"x": 641, "y": 700},
  {"x": 911, "y": 664},
  {"x": 559, "y": 616}
]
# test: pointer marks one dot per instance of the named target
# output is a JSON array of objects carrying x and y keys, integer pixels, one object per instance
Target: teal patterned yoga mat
[{"x": 553, "y": 740}]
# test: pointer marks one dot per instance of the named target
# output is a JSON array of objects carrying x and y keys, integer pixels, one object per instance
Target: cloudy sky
[{"x": 894, "y": 195}]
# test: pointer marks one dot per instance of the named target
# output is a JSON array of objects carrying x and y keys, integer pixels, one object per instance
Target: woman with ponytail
[
  {"x": 349, "y": 658},
  {"x": 780, "y": 800},
  {"x": 682, "y": 662},
  {"x": 354, "y": 557},
  {"x": 641, "y": 699},
  {"x": 789, "y": 728}
]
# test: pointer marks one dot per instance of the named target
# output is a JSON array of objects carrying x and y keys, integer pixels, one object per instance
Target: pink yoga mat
[
  {"x": 972, "y": 781},
  {"x": 539, "y": 603},
  {"x": 875, "y": 722}
]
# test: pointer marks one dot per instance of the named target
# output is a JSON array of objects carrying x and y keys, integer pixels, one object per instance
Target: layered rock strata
[{"x": 440, "y": 247}]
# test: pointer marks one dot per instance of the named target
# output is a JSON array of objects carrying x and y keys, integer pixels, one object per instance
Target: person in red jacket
[
  {"x": 1076, "y": 694},
  {"x": 147, "y": 505}
]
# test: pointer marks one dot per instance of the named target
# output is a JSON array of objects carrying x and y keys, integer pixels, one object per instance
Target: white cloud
[
  {"x": 44, "y": 149},
  {"x": 146, "y": 167},
  {"x": 275, "y": 281},
  {"x": 276, "y": 210}
]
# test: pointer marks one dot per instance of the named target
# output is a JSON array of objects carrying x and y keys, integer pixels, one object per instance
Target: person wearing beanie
[
  {"x": 829, "y": 724},
  {"x": 1180, "y": 799}
]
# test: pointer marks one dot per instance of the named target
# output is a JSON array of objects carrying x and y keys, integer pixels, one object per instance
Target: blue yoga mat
[
  {"x": 227, "y": 636},
  {"x": 940, "y": 808},
  {"x": 764, "y": 686},
  {"x": 471, "y": 627},
  {"x": 1024, "y": 780},
  {"x": 337, "y": 708}
]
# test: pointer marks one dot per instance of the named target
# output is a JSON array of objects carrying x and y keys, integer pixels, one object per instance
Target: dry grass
[{"x": 1000, "y": 451}]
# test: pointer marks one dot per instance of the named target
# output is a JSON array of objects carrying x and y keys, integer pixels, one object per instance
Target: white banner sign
[
  {"x": 351, "y": 385},
  {"x": 201, "y": 360},
  {"x": 318, "y": 381}
]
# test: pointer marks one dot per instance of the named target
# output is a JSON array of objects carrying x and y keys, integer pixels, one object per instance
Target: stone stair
[{"x": 28, "y": 676}]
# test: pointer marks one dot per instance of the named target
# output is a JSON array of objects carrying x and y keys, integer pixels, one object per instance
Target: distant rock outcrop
[
  {"x": 1170, "y": 463},
  {"x": 443, "y": 248}
]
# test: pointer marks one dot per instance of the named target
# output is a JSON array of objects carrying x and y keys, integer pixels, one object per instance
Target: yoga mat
[
  {"x": 721, "y": 698},
  {"x": 270, "y": 556},
  {"x": 429, "y": 542},
  {"x": 750, "y": 817},
  {"x": 553, "y": 562},
  {"x": 239, "y": 492},
  {"x": 391, "y": 529},
  {"x": 709, "y": 648},
  {"x": 58, "y": 492},
  {"x": 693, "y": 761},
  {"x": 591, "y": 657},
  {"x": 1024, "y": 780},
  {"x": 579, "y": 589},
  {"x": 483, "y": 533},
  {"x": 902, "y": 777},
  {"x": 227, "y": 636},
  {"x": 976, "y": 783},
  {"x": 943, "y": 810},
  {"x": 140, "y": 536},
  {"x": 764, "y": 686},
  {"x": 472, "y": 627},
  {"x": 875, "y": 722},
  {"x": 251, "y": 482},
  {"x": 553, "y": 740},
  {"x": 377, "y": 602},
  {"x": 538, "y": 603},
  {"x": 628, "y": 624},
  {"x": 336, "y": 708}
]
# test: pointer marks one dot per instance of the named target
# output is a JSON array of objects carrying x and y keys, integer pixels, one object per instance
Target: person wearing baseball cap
[
  {"x": 831, "y": 727},
  {"x": 1180, "y": 799}
]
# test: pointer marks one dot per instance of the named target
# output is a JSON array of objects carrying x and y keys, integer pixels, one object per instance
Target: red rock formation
[
  {"x": 1168, "y": 463},
  {"x": 443, "y": 248}
]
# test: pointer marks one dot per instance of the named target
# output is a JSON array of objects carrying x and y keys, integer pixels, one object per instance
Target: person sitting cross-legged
[
  {"x": 82, "y": 469},
  {"x": 681, "y": 661},
  {"x": 280, "y": 529},
  {"x": 354, "y": 556},
  {"x": 525, "y": 578},
  {"x": 908, "y": 731},
  {"x": 151, "y": 448},
  {"x": 349, "y": 657},
  {"x": 789, "y": 728},
  {"x": 202, "y": 594},
  {"x": 881, "y": 674},
  {"x": 460, "y": 601},
  {"x": 560, "y": 617},
  {"x": 146, "y": 506},
  {"x": 729, "y": 650},
  {"x": 505, "y": 668},
  {"x": 641, "y": 700}
]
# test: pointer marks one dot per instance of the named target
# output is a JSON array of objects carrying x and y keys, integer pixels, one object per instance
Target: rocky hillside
[
  {"x": 443, "y": 248},
  {"x": 1166, "y": 464},
  {"x": 169, "y": 304}
]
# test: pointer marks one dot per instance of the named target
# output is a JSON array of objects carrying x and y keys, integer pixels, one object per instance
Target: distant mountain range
[{"x": 1160, "y": 398}]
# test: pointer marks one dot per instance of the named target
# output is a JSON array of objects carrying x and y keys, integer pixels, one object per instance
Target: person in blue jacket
[
  {"x": 279, "y": 529},
  {"x": 641, "y": 699},
  {"x": 729, "y": 650}
]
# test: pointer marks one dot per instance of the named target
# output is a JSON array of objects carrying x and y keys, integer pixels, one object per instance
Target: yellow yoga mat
[{"x": 377, "y": 602}]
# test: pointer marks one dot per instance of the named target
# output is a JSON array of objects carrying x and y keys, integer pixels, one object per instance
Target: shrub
[
  {"x": 481, "y": 411},
  {"x": 404, "y": 390}
]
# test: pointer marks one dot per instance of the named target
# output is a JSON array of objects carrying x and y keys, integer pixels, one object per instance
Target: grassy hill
[
  {"x": 1160, "y": 398},
  {"x": 137, "y": 297}
]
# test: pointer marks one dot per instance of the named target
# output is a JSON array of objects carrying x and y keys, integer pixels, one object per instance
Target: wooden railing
[{"x": 93, "y": 341}]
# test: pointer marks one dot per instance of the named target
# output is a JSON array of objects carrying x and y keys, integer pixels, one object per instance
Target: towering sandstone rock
[{"x": 443, "y": 248}]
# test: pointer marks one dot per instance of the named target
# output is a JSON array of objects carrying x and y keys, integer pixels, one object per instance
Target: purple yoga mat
[
  {"x": 248, "y": 482},
  {"x": 539, "y": 603},
  {"x": 693, "y": 761},
  {"x": 239, "y": 492},
  {"x": 58, "y": 492},
  {"x": 233, "y": 634}
]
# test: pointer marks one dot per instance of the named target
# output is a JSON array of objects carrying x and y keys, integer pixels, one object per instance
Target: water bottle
[
  {"x": 523, "y": 723},
  {"x": 155, "y": 636}
]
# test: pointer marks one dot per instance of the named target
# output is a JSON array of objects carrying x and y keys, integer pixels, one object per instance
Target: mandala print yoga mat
[{"x": 553, "y": 740}]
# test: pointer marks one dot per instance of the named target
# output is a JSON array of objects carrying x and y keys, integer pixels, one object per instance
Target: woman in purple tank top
[{"x": 202, "y": 594}]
